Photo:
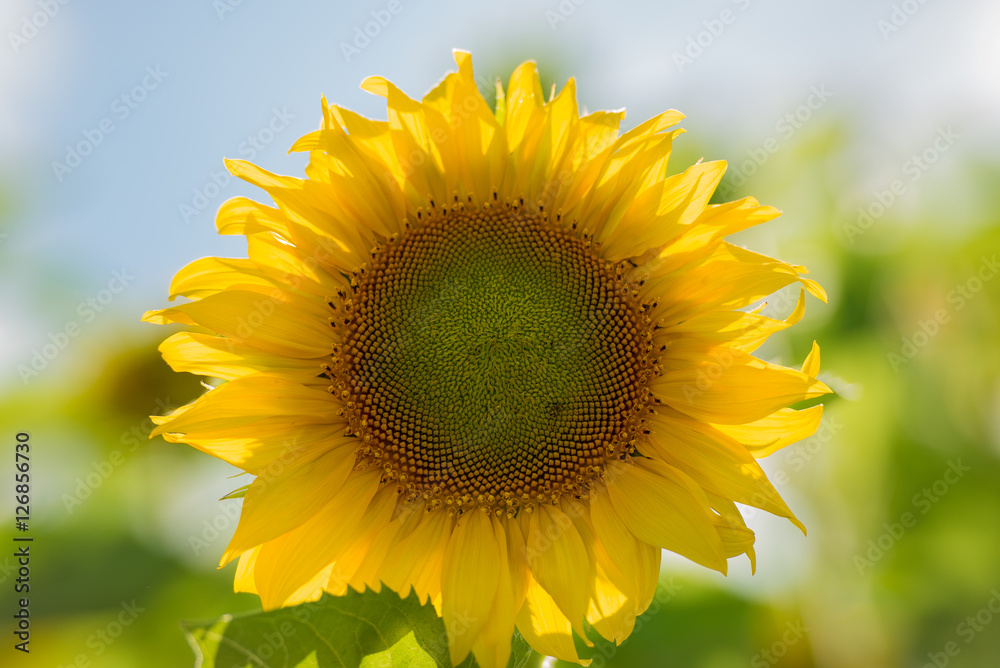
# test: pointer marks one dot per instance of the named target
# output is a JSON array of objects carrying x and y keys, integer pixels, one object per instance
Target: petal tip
[{"x": 376, "y": 85}]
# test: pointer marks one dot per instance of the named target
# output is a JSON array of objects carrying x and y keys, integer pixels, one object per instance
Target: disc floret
[{"x": 491, "y": 359}]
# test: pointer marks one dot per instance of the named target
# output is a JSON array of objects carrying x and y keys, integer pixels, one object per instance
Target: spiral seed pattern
[{"x": 491, "y": 360}]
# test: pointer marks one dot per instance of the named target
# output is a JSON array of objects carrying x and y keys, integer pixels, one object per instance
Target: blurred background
[{"x": 872, "y": 125}]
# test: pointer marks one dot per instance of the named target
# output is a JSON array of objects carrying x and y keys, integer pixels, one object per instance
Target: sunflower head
[
  {"x": 496, "y": 357},
  {"x": 523, "y": 353}
]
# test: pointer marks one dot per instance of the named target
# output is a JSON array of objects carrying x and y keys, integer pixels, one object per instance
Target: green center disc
[{"x": 491, "y": 360}]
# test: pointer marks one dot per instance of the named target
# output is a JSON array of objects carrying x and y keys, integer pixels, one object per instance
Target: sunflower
[{"x": 498, "y": 358}]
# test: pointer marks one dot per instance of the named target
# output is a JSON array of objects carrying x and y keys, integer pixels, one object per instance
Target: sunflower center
[{"x": 492, "y": 360}]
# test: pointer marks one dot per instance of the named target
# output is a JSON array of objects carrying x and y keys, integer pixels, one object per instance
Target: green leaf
[
  {"x": 237, "y": 493},
  {"x": 501, "y": 104},
  {"x": 520, "y": 652},
  {"x": 354, "y": 630}
]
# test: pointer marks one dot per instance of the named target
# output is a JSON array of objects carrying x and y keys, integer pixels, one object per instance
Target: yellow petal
[
  {"x": 559, "y": 561},
  {"x": 538, "y": 163},
  {"x": 619, "y": 172},
  {"x": 653, "y": 126},
  {"x": 210, "y": 275},
  {"x": 662, "y": 506},
  {"x": 287, "y": 563},
  {"x": 480, "y": 143},
  {"x": 656, "y": 216},
  {"x": 243, "y": 581},
  {"x": 520, "y": 573},
  {"x": 272, "y": 264},
  {"x": 413, "y": 127},
  {"x": 624, "y": 584},
  {"x": 292, "y": 267},
  {"x": 627, "y": 172},
  {"x": 583, "y": 162},
  {"x": 376, "y": 518},
  {"x": 727, "y": 386},
  {"x": 310, "y": 210},
  {"x": 715, "y": 461},
  {"x": 736, "y": 329},
  {"x": 281, "y": 500},
  {"x": 355, "y": 179},
  {"x": 524, "y": 102},
  {"x": 545, "y": 627},
  {"x": 492, "y": 645},
  {"x": 241, "y": 215},
  {"x": 736, "y": 537},
  {"x": 374, "y": 140},
  {"x": 257, "y": 444},
  {"x": 769, "y": 434},
  {"x": 279, "y": 322},
  {"x": 221, "y": 357},
  {"x": 630, "y": 563},
  {"x": 811, "y": 365},
  {"x": 729, "y": 278},
  {"x": 611, "y": 612},
  {"x": 240, "y": 400},
  {"x": 469, "y": 578},
  {"x": 415, "y": 559},
  {"x": 370, "y": 572},
  {"x": 736, "y": 541},
  {"x": 311, "y": 591},
  {"x": 699, "y": 239},
  {"x": 750, "y": 257},
  {"x": 598, "y": 131}
]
